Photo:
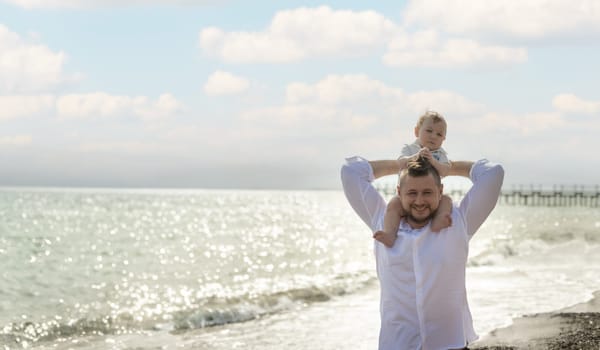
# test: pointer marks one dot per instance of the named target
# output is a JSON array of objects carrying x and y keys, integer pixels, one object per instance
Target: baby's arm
[
  {"x": 391, "y": 222},
  {"x": 443, "y": 216}
]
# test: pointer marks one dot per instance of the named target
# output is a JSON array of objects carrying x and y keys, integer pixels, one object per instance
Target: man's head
[
  {"x": 431, "y": 130},
  {"x": 420, "y": 190}
]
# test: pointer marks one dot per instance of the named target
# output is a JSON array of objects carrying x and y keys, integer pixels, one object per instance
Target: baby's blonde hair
[{"x": 433, "y": 115}]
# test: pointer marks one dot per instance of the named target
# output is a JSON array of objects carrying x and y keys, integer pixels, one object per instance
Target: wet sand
[{"x": 575, "y": 327}]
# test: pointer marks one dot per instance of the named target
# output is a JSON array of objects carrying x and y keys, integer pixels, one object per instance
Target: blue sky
[{"x": 273, "y": 94}]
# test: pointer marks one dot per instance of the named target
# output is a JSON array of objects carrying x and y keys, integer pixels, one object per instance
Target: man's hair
[
  {"x": 420, "y": 167},
  {"x": 433, "y": 115}
]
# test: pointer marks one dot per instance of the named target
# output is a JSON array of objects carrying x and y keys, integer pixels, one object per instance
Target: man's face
[{"x": 420, "y": 197}]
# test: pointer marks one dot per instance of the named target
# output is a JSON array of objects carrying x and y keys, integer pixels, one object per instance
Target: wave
[
  {"x": 492, "y": 256},
  {"x": 209, "y": 312},
  {"x": 29, "y": 332},
  {"x": 246, "y": 309},
  {"x": 553, "y": 247}
]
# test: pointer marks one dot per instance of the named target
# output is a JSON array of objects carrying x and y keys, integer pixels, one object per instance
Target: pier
[{"x": 556, "y": 196}]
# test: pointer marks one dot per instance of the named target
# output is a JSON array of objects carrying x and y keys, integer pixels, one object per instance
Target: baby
[{"x": 430, "y": 132}]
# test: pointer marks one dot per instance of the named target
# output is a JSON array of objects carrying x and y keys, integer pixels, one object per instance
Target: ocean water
[{"x": 223, "y": 269}]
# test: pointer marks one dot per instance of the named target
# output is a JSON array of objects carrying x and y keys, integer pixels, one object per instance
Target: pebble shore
[{"x": 576, "y": 327}]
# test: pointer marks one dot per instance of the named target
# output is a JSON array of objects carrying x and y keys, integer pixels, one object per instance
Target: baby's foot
[
  {"x": 386, "y": 238},
  {"x": 441, "y": 222}
]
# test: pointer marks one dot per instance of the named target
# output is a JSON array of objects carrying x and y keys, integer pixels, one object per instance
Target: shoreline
[
  {"x": 352, "y": 322},
  {"x": 574, "y": 327}
]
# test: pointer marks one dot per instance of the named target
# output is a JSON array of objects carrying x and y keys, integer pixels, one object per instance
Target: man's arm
[
  {"x": 357, "y": 176},
  {"x": 460, "y": 168},
  {"x": 388, "y": 167},
  {"x": 442, "y": 169},
  {"x": 481, "y": 199}
]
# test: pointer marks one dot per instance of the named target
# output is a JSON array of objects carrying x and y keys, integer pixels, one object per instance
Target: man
[{"x": 422, "y": 276}]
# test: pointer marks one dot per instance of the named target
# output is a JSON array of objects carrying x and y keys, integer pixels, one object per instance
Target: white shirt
[
  {"x": 422, "y": 276},
  {"x": 439, "y": 154}
]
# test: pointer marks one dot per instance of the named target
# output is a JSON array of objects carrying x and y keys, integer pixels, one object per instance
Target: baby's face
[{"x": 431, "y": 135}]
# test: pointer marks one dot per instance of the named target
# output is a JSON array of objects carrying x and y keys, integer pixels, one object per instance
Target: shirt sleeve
[
  {"x": 367, "y": 202},
  {"x": 481, "y": 199}
]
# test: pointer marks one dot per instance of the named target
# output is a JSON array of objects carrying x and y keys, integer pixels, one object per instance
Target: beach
[{"x": 575, "y": 327}]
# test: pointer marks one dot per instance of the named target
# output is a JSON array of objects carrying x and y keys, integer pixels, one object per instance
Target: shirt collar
[{"x": 407, "y": 229}]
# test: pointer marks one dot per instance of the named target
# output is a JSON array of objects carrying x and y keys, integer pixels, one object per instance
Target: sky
[{"x": 275, "y": 94}]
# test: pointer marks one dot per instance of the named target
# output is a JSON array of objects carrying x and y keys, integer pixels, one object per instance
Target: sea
[{"x": 249, "y": 269}]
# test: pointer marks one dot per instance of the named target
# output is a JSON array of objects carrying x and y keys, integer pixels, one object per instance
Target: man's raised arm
[
  {"x": 357, "y": 177},
  {"x": 481, "y": 199},
  {"x": 387, "y": 167},
  {"x": 460, "y": 168}
]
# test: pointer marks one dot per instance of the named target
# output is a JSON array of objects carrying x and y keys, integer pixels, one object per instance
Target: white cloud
[
  {"x": 426, "y": 49},
  {"x": 569, "y": 103},
  {"x": 533, "y": 146},
  {"x": 166, "y": 106},
  {"x": 89, "y": 106},
  {"x": 18, "y": 106},
  {"x": 523, "y": 124},
  {"x": 102, "y": 105},
  {"x": 525, "y": 19},
  {"x": 360, "y": 90},
  {"x": 225, "y": 83},
  {"x": 94, "y": 105},
  {"x": 16, "y": 140},
  {"x": 350, "y": 105},
  {"x": 296, "y": 34},
  {"x": 303, "y": 33},
  {"x": 28, "y": 67},
  {"x": 446, "y": 102},
  {"x": 339, "y": 89}
]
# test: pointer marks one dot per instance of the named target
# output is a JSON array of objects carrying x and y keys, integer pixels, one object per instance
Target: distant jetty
[{"x": 556, "y": 196}]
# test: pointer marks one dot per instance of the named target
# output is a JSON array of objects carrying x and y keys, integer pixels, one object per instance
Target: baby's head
[{"x": 431, "y": 130}]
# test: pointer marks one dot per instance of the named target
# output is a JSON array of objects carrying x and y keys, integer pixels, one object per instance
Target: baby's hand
[
  {"x": 425, "y": 153},
  {"x": 386, "y": 238}
]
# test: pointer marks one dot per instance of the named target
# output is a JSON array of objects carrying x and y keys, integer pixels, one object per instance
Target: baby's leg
[
  {"x": 443, "y": 216},
  {"x": 391, "y": 222}
]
